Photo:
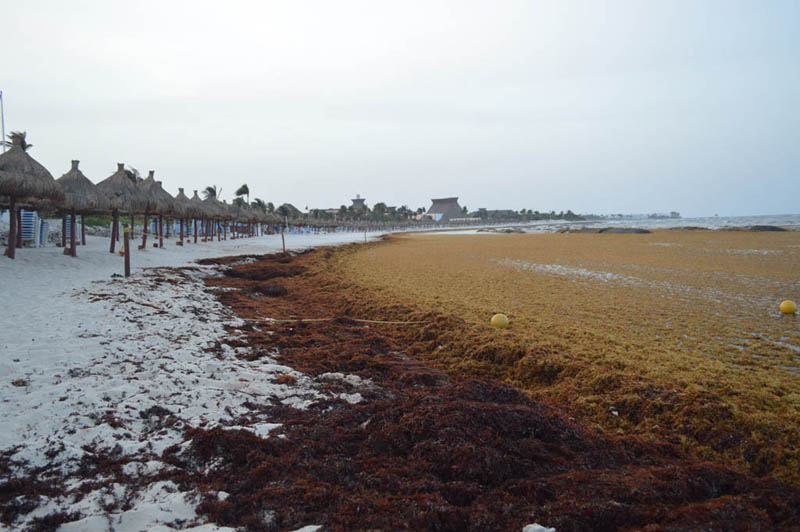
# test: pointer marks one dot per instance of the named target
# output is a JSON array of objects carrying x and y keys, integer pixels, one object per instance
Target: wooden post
[
  {"x": 72, "y": 231},
  {"x": 180, "y": 222},
  {"x": 161, "y": 231},
  {"x": 12, "y": 230},
  {"x": 114, "y": 229},
  {"x": 83, "y": 229},
  {"x": 132, "y": 228},
  {"x": 19, "y": 228},
  {"x": 64, "y": 230},
  {"x": 126, "y": 244},
  {"x": 195, "y": 230},
  {"x": 283, "y": 239},
  {"x": 144, "y": 233}
]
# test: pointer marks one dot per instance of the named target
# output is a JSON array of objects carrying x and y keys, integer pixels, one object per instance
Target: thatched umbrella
[
  {"x": 215, "y": 212},
  {"x": 263, "y": 218},
  {"x": 274, "y": 220},
  {"x": 23, "y": 178},
  {"x": 225, "y": 216},
  {"x": 249, "y": 218},
  {"x": 200, "y": 212},
  {"x": 125, "y": 197},
  {"x": 183, "y": 209},
  {"x": 171, "y": 209},
  {"x": 159, "y": 202},
  {"x": 151, "y": 204},
  {"x": 231, "y": 215},
  {"x": 234, "y": 213},
  {"x": 83, "y": 197}
]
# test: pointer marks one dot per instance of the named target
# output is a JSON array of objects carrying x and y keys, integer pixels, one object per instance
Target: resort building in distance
[
  {"x": 358, "y": 203},
  {"x": 444, "y": 209}
]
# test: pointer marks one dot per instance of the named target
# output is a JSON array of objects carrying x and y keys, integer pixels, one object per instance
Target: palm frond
[
  {"x": 210, "y": 192},
  {"x": 17, "y": 137}
]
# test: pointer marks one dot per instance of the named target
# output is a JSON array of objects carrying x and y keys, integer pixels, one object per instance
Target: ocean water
[
  {"x": 789, "y": 221},
  {"x": 712, "y": 222}
]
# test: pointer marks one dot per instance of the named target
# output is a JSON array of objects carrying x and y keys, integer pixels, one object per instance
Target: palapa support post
[
  {"x": 83, "y": 230},
  {"x": 180, "y": 223},
  {"x": 283, "y": 240},
  {"x": 11, "y": 251},
  {"x": 144, "y": 233},
  {"x": 114, "y": 230},
  {"x": 19, "y": 228},
  {"x": 161, "y": 231},
  {"x": 133, "y": 228},
  {"x": 72, "y": 232},
  {"x": 195, "y": 230},
  {"x": 64, "y": 230},
  {"x": 126, "y": 244}
]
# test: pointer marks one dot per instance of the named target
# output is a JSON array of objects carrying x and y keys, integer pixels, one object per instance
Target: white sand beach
[{"x": 92, "y": 363}]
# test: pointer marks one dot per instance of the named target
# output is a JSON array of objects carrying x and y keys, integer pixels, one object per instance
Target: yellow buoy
[
  {"x": 787, "y": 307},
  {"x": 500, "y": 321}
]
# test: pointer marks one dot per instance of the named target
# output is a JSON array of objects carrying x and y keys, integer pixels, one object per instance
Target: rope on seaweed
[{"x": 314, "y": 320}]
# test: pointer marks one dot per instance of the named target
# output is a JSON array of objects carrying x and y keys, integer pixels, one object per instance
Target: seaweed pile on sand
[
  {"x": 675, "y": 334},
  {"x": 428, "y": 450}
]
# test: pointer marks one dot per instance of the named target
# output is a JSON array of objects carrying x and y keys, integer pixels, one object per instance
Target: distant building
[
  {"x": 674, "y": 214},
  {"x": 358, "y": 203},
  {"x": 444, "y": 209}
]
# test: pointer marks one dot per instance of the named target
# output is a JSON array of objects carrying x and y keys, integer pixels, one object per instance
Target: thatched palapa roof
[
  {"x": 232, "y": 210},
  {"x": 158, "y": 200},
  {"x": 82, "y": 195},
  {"x": 214, "y": 208},
  {"x": 23, "y": 177},
  {"x": 184, "y": 207},
  {"x": 122, "y": 191},
  {"x": 442, "y": 209},
  {"x": 200, "y": 208},
  {"x": 167, "y": 199}
]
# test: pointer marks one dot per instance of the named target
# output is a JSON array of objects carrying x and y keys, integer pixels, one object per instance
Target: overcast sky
[{"x": 639, "y": 106}]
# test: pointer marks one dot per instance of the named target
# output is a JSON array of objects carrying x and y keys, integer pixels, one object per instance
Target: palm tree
[
  {"x": 17, "y": 135},
  {"x": 259, "y": 204},
  {"x": 270, "y": 207},
  {"x": 210, "y": 192},
  {"x": 379, "y": 209},
  {"x": 243, "y": 191},
  {"x": 133, "y": 174}
]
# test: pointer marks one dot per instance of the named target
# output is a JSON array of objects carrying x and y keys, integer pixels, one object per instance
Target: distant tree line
[{"x": 524, "y": 215}]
